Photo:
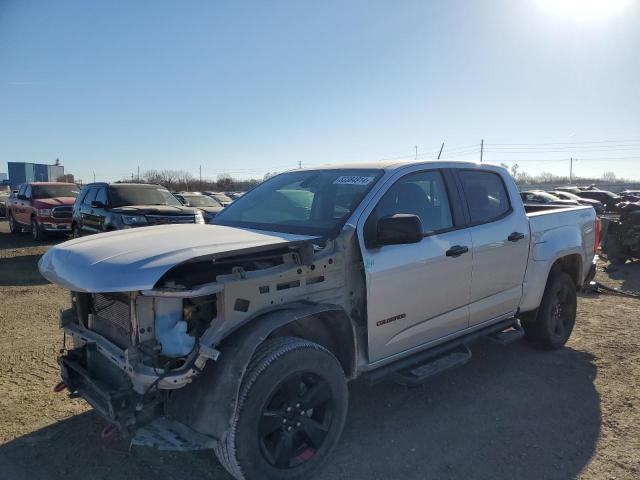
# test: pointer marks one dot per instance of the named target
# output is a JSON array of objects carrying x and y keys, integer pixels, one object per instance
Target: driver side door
[{"x": 417, "y": 293}]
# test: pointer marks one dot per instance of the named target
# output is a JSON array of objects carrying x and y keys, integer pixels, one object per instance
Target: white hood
[{"x": 130, "y": 260}]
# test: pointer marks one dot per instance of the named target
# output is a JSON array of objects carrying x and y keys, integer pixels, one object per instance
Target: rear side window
[{"x": 486, "y": 195}]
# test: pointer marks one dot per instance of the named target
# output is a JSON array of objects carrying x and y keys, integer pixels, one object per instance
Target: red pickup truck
[{"x": 42, "y": 208}]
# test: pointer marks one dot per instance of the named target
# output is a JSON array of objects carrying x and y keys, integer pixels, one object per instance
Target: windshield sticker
[{"x": 352, "y": 180}]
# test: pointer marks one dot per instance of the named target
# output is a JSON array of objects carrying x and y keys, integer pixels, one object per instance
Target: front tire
[
  {"x": 551, "y": 328},
  {"x": 290, "y": 413},
  {"x": 13, "y": 225},
  {"x": 77, "y": 233},
  {"x": 37, "y": 234}
]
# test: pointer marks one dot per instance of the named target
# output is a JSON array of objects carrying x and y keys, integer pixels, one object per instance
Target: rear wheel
[
  {"x": 37, "y": 234},
  {"x": 13, "y": 225},
  {"x": 552, "y": 326},
  {"x": 290, "y": 413}
]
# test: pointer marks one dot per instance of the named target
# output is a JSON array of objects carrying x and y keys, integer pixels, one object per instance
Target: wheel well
[
  {"x": 570, "y": 264},
  {"x": 333, "y": 332}
]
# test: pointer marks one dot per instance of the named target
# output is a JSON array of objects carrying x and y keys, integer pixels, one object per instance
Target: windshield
[
  {"x": 311, "y": 202},
  {"x": 221, "y": 197},
  {"x": 52, "y": 191},
  {"x": 122, "y": 196},
  {"x": 200, "y": 201},
  {"x": 568, "y": 196}
]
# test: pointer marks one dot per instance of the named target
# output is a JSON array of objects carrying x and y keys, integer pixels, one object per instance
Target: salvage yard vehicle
[
  {"x": 209, "y": 206},
  {"x": 544, "y": 198},
  {"x": 608, "y": 199},
  {"x": 597, "y": 205},
  {"x": 42, "y": 208},
  {"x": 241, "y": 336},
  {"x": 104, "y": 207},
  {"x": 622, "y": 240}
]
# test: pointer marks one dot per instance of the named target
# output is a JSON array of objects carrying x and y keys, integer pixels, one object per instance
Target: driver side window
[{"x": 423, "y": 194}]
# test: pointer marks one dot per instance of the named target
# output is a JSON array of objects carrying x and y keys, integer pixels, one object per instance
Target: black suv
[{"x": 102, "y": 207}]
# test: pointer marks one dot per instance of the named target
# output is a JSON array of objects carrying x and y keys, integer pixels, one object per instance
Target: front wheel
[
  {"x": 552, "y": 326},
  {"x": 13, "y": 225},
  {"x": 37, "y": 234},
  {"x": 290, "y": 413},
  {"x": 76, "y": 231}
]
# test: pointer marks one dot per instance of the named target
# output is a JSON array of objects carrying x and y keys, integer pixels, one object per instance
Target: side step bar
[
  {"x": 417, "y": 374},
  {"x": 426, "y": 364}
]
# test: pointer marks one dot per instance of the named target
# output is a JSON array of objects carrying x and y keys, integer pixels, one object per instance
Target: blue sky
[{"x": 251, "y": 87}]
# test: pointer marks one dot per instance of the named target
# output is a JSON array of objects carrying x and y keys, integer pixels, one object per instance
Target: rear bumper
[{"x": 592, "y": 272}]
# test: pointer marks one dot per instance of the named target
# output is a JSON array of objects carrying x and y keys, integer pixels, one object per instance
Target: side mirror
[
  {"x": 399, "y": 229},
  {"x": 97, "y": 204}
]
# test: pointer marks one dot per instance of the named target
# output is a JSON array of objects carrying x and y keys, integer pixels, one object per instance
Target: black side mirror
[
  {"x": 97, "y": 204},
  {"x": 399, "y": 229}
]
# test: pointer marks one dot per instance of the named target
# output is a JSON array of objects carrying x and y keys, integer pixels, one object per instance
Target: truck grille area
[
  {"x": 167, "y": 219},
  {"x": 111, "y": 317},
  {"x": 61, "y": 212}
]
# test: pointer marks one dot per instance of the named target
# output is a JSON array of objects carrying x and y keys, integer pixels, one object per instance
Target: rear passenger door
[
  {"x": 500, "y": 236},
  {"x": 418, "y": 292}
]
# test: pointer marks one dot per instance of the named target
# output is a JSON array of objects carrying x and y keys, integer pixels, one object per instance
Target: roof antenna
[{"x": 440, "y": 150}]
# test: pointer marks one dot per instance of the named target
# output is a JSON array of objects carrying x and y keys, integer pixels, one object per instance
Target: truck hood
[
  {"x": 53, "y": 202},
  {"x": 131, "y": 260}
]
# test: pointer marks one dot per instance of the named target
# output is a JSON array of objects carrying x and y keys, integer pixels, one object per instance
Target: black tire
[
  {"x": 37, "y": 234},
  {"x": 76, "y": 232},
  {"x": 551, "y": 328},
  {"x": 290, "y": 413},
  {"x": 13, "y": 225}
]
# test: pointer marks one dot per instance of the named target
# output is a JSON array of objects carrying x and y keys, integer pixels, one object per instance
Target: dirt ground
[{"x": 512, "y": 412}]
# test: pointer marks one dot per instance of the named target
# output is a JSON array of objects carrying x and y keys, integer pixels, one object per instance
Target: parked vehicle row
[
  {"x": 559, "y": 197},
  {"x": 208, "y": 205},
  {"x": 241, "y": 336}
]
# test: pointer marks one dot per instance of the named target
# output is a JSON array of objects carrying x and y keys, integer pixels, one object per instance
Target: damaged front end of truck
[{"x": 154, "y": 338}]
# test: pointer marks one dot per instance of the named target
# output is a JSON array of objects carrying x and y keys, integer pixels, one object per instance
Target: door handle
[
  {"x": 456, "y": 251},
  {"x": 515, "y": 236}
]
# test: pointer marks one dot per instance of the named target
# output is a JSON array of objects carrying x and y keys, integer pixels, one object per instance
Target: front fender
[{"x": 208, "y": 404}]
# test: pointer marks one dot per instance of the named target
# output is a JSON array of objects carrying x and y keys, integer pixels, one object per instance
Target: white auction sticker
[{"x": 352, "y": 180}]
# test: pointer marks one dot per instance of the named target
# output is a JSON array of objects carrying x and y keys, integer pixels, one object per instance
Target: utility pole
[
  {"x": 440, "y": 153},
  {"x": 570, "y": 170},
  {"x": 416, "y": 152},
  {"x": 200, "y": 177},
  {"x": 299, "y": 164},
  {"x": 94, "y": 175},
  {"x": 138, "y": 173},
  {"x": 481, "y": 149}
]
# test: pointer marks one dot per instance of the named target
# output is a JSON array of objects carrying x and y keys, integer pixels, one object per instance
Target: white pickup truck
[{"x": 242, "y": 336}]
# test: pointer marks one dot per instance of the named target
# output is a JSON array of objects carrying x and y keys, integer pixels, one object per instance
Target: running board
[
  {"x": 444, "y": 356},
  {"x": 507, "y": 336},
  {"x": 419, "y": 373},
  {"x": 165, "y": 434}
]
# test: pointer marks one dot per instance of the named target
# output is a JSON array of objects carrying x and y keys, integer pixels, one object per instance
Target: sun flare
[{"x": 584, "y": 9}]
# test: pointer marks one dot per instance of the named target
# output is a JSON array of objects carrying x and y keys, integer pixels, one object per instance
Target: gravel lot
[{"x": 512, "y": 412}]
